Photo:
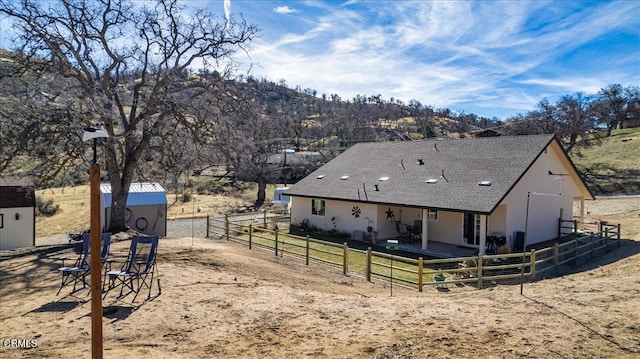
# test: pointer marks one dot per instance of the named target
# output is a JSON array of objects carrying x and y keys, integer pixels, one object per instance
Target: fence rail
[{"x": 265, "y": 233}]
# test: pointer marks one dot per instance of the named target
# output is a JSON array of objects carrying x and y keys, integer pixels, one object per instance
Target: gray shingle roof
[{"x": 457, "y": 165}]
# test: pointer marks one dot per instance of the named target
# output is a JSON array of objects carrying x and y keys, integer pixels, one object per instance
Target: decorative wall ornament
[
  {"x": 390, "y": 214},
  {"x": 355, "y": 211}
]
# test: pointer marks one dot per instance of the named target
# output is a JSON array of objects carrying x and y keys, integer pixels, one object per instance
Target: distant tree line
[
  {"x": 69, "y": 69},
  {"x": 574, "y": 118}
]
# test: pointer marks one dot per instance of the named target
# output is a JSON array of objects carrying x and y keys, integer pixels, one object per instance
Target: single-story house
[
  {"x": 17, "y": 213},
  {"x": 146, "y": 210},
  {"x": 456, "y": 192}
]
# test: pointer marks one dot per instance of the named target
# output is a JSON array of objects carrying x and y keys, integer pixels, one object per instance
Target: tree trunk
[
  {"x": 118, "y": 222},
  {"x": 262, "y": 187}
]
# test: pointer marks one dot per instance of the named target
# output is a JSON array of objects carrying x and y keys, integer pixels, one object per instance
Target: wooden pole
[
  {"x": 95, "y": 264},
  {"x": 345, "y": 258},
  {"x": 524, "y": 244},
  {"x": 368, "y": 266},
  {"x": 306, "y": 251},
  {"x": 420, "y": 273},
  {"x": 532, "y": 265}
]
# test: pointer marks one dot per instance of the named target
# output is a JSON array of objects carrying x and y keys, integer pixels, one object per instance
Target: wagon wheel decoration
[{"x": 355, "y": 211}]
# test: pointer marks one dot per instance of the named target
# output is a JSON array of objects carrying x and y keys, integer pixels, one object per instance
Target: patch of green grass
[{"x": 613, "y": 167}]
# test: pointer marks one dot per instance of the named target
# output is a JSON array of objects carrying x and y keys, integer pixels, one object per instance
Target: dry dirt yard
[{"x": 221, "y": 300}]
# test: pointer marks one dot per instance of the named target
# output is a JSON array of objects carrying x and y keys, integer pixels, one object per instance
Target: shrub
[
  {"x": 46, "y": 208},
  {"x": 186, "y": 197}
]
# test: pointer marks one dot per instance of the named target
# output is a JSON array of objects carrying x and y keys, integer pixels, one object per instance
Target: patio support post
[
  {"x": 483, "y": 234},
  {"x": 425, "y": 229}
]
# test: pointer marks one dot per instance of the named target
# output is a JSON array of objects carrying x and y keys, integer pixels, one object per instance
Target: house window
[
  {"x": 433, "y": 215},
  {"x": 317, "y": 207}
]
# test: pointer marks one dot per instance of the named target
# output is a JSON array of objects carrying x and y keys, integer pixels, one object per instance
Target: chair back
[
  {"x": 142, "y": 251},
  {"x": 105, "y": 244},
  {"x": 417, "y": 226},
  {"x": 105, "y": 240},
  {"x": 83, "y": 261}
]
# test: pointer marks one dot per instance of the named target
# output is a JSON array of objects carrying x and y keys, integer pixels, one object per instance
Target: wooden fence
[{"x": 417, "y": 273}]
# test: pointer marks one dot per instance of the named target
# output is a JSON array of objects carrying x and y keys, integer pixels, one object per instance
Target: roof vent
[
  {"x": 320, "y": 176},
  {"x": 485, "y": 183},
  {"x": 432, "y": 180},
  {"x": 344, "y": 178},
  {"x": 420, "y": 162},
  {"x": 376, "y": 187},
  {"x": 383, "y": 179}
]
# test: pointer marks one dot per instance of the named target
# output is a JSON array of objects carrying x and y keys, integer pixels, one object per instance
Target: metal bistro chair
[{"x": 139, "y": 270}]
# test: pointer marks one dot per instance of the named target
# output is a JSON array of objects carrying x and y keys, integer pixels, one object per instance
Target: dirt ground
[{"x": 220, "y": 300}]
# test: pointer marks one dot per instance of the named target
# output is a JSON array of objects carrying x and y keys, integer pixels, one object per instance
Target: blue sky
[{"x": 491, "y": 58}]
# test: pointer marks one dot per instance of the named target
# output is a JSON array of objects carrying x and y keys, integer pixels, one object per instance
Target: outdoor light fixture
[
  {"x": 94, "y": 133},
  {"x": 95, "y": 262}
]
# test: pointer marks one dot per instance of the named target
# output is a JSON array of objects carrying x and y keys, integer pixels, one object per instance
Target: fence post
[
  {"x": 559, "y": 227},
  {"x": 208, "y": 224},
  {"x": 264, "y": 218},
  {"x": 480, "y": 270},
  {"x": 575, "y": 252},
  {"x": 276, "y": 244},
  {"x": 618, "y": 235},
  {"x": 532, "y": 265},
  {"x": 345, "y": 258},
  {"x": 420, "y": 273},
  {"x": 226, "y": 225},
  {"x": 307, "y": 251},
  {"x": 368, "y": 266},
  {"x": 600, "y": 228},
  {"x": 250, "y": 234},
  {"x": 556, "y": 255}
]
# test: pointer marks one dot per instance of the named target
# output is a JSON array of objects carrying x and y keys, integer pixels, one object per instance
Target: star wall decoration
[
  {"x": 390, "y": 214},
  {"x": 355, "y": 211}
]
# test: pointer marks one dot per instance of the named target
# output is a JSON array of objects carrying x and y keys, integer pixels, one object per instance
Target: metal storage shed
[
  {"x": 17, "y": 213},
  {"x": 146, "y": 208}
]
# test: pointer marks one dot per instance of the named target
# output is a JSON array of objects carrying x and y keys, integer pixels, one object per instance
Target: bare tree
[
  {"x": 128, "y": 64},
  {"x": 576, "y": 118},
  {"x": 615, "y": 104}
]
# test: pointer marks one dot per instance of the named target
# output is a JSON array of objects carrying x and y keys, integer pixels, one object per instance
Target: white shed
[
  {"x": 146, "y": 208},
  {"x": 17, "y": 213}
]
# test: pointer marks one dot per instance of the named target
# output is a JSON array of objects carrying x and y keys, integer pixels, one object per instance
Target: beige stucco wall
[
  {"x": 340, "y": 210},
  {"x": 497, "y": 221},
  {"x": 550, "y": 193},
  {"x": 447, "y": 229},
  {"x": 17, "y": 233}
]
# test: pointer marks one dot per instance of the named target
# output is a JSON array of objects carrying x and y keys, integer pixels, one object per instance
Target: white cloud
[
  {"x": 498, "y": 56},
  {"x": 284, "y": 10}
]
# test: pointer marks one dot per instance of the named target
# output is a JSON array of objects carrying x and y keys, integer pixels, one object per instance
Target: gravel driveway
[{"x": 196, "y": 227}]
